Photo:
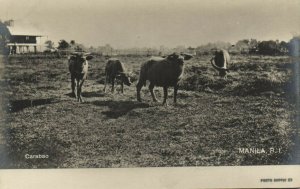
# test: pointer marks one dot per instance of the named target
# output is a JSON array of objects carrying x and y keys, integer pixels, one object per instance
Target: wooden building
[{"x": 18, "y": 39}]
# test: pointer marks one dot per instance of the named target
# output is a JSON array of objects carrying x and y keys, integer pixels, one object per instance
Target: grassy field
[{"x": 253, "y": 108}]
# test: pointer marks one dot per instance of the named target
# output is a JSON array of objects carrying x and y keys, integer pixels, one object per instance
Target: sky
[{"x": 152, "y": 23}]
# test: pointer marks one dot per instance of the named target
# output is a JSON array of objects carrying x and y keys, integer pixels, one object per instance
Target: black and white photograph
[{"x": 149, "y": 84}]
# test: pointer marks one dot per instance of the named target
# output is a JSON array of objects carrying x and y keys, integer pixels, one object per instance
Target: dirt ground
[{"x": 213, "y": 120}]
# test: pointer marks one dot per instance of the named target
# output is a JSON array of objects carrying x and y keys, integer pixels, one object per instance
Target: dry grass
[{"x": 214, "y": 117}]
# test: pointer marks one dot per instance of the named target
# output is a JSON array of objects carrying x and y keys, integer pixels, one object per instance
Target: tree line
[
  {"x": 244, "y": 46},
  {"x": 253, "y": 46}
]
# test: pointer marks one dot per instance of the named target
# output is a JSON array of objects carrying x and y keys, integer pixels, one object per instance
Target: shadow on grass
[
  {"x": 93, "y": 94},
  {"x": 88, "y": 94},
  {"x": 70, "y": 95},
  {"x": 119, "y": 108},
  {"x": 19, "y": 105}
]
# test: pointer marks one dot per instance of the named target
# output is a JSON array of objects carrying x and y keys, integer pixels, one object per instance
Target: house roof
[{"x": 28, "y": 31}]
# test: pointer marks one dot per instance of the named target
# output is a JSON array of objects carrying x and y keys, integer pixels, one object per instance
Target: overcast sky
[{"x": 151, "y": 23}]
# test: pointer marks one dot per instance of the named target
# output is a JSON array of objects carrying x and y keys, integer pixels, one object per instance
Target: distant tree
[
  {"x": 108, "y": 49},
  {"x": 63, "y": 44},
  {"x": 190, "y": 48},
  {"x": 283, "y": 44},
  {"x": 49, "y": 44},
  {"x": 206, "y": 49},
  {"x": 245, "y": 41},
  {"x": 108, "y": 46},
  {"x": 283, "y": 47},
  {"x": 179, "y": 48},
  {"x": 253, "y": 45},
  {"x": 242, "y": 45},
  {"x": 72, "y": 42},
  {"x": 91, "y": 49},
  {"x": 78, "y": 48},
  {"x": 268, "y": 48}
]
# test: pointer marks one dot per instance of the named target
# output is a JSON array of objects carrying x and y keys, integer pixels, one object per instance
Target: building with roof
[{"x": 18, "y": 39}]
